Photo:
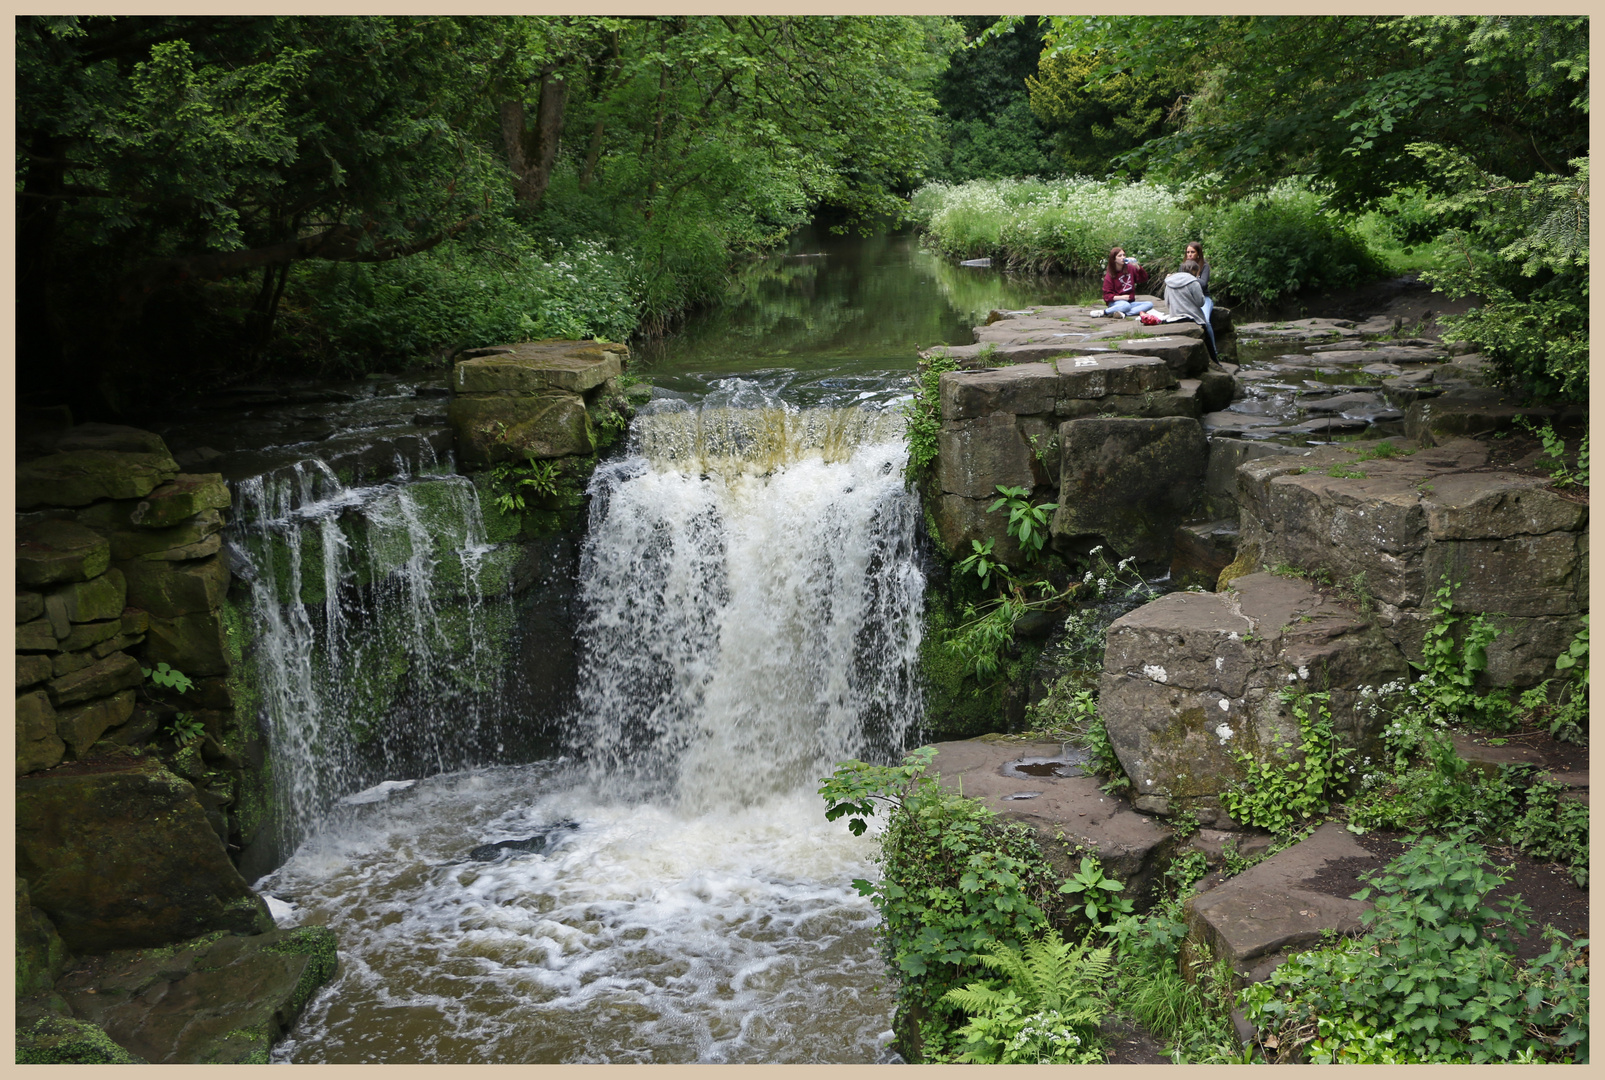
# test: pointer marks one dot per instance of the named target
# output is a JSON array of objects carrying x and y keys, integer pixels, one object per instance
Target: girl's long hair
[{"x": 1110, "y": 265}]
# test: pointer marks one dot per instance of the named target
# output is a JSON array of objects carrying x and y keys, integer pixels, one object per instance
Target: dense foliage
[{"x": 189, "y": 180}]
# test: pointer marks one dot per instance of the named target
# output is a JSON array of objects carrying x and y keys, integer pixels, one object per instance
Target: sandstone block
[
  {"x": 1023, "y": 389},
  {"x": 535, "y": 366},
  {"x": 38, "y": 745},
  {"x": 80, "y": 477},
  {"x": 974, "y": 456},
  {"x": 87, "y": 635},
  {"x": 50, "y": 551},
  {"x": 32, "y": 668},
  {"x": 1129, "y": 846},
  {"x": 171, "y": 589},
  {"x": 185, "y": 496},
  {"x": 121, "y": 856},
  {"x": 119, "y": 671},
  {"x": 30, "y": 605},
  {"x": 37, "y": 635},
  {"x": 1185, "y": 354},
  {"x": 96, "y": 599},
  {"x": 494, "y": 428},
  {"x": 1104, "y": 373},
  {"x": 82, "y": 726},
  {"x": 194, "y": 644},
  {"x": 1129, "y": 482}
]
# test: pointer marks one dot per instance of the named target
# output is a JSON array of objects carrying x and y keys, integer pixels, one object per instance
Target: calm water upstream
[{"x": 668, "y": 890}]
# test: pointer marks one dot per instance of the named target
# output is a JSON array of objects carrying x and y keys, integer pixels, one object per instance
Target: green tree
[
  {"x": 1095, "y": 122},
  {"x": 990, "y": 129}
]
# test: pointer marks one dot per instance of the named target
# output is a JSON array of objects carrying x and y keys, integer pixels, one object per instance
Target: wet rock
[
  {"x": 219, "y": 999},
  {"x": 1463, "y": 411},
  {"x": 118, "y": 853},
  {"x": 536, "y": 844},
  {"x": 1388, "y": 354},
  {"x": 1255, "y": 920},
  {"x": 1068, "y": 810},
  {"x": 1201, "y": 550},
  {"x": 1129, "y": 482},
  {"x": 492, "y": 428},
  {"x": 1191, "y": 679},
  {"x": 1298, "y": 330},
  {"x": 53, "y": 550}
]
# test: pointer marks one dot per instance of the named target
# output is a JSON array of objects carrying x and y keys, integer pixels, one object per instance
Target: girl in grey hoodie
[{"x": 1185, "y": 296}]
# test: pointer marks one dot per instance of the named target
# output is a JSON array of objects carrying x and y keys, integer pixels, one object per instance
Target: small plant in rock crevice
[
  {"x": 1279, "y": 795},
  {"x": 922, "y": 414},
  {"x": 512, "y": 483},
  {"x": 1449, "y": 668}
]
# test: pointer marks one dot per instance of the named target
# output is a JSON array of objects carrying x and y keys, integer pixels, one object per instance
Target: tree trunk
[{"x": 531, "y": 152}]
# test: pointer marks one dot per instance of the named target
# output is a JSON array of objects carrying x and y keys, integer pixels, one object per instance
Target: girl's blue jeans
[{"x": 1128, "y": 307}]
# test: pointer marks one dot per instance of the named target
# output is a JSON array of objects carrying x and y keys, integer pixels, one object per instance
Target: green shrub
[
  {"x": 1280, "y": 795},
  {"x": 1435, "y": 979},
  {"x": 1282, "y": 244}
]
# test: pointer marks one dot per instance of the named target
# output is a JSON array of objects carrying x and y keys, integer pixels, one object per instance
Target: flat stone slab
[
  {"x": 1256, "y": 919},
  {"x": 1388, "y": 354},
  {"x": 1298, "y": 330},
  {"x": 1130, "y": 846},
  {"x": 533, "y": 366},
  {"x": 1042, "y": 333}
]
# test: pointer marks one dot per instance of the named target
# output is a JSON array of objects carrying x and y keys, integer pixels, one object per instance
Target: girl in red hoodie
[{"x": 1121, "y": 276}]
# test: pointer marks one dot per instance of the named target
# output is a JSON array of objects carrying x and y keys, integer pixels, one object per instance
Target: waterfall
[
  {"x": 372, "y": 649},
  {"x": 751, "y": 602}
]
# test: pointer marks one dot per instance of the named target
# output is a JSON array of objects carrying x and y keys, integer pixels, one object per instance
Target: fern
[{"x": 1047, "y": 1010}]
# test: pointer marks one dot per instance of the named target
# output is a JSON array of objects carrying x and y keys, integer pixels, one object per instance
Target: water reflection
[{"x": 834, "y": 307}]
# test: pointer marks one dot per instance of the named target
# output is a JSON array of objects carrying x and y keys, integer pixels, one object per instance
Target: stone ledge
[{"x": 1256, "y": 919}]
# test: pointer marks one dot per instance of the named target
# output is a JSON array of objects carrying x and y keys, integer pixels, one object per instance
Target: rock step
[
  {"x": 1255, "y": 920},
  {"x": 1131, "y": 847}
]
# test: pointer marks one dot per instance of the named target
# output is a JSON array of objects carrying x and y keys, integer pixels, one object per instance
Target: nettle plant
[{"x": 1435, "y": 978}]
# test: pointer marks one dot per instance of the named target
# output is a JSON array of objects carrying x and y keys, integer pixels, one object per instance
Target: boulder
[
  {"x": 80, "y": 477},
  {"x": 119, "y": 854},
  {"x": 1191, "y": 679},
  {"x": 215, "y": 1000},
  {"x": 185, "y": 496},
  {"x": 1129, "y": 482},
  {"x": 38, "y": 745},
  {"x": 52, "y": 550}
]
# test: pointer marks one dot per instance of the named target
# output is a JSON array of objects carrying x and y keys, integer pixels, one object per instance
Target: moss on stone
[
  {"x": 956, "y": 706},
  {"x": 59, "y": 1040},
  {"x": 319, "y": 945}
]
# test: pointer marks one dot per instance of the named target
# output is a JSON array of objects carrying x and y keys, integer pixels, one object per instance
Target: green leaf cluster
[
  {"x": 1435, "y": 978},
  {"x": 1282, "y": 795}
]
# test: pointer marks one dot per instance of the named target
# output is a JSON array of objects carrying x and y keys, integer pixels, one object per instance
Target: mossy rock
[
  {"x": 118, "y": 852},
  {"x": 80, "y": 477}
]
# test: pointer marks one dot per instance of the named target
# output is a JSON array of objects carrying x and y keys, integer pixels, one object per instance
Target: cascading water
[
  {"x": 671, "y": 892},
  {"x": 369, "y": 641}
]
